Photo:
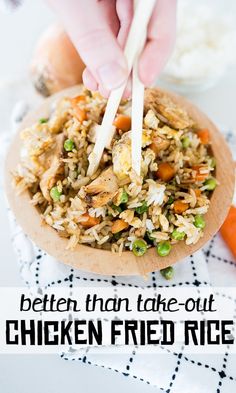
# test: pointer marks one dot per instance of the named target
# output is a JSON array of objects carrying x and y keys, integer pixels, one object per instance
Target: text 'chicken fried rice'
[{"x": 115, "y": 209}]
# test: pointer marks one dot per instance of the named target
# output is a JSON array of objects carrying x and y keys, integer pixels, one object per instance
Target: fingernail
[{"x": 112, "y": 75}]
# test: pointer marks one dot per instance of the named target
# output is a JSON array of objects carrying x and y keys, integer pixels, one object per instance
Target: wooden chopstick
[
  {"x": 137, "y": 111},
  {"x": 137, "y": 120},
  {"x": 138, "y": 27}
]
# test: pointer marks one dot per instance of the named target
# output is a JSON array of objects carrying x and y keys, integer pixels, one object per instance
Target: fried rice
[{"x": 115, "y": 207}]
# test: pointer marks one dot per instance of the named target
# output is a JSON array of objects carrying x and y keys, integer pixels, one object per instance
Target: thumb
[{"x": 93, "y": 38}]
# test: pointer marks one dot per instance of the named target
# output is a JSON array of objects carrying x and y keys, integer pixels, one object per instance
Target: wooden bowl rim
[{"x": 104, "y": 262}]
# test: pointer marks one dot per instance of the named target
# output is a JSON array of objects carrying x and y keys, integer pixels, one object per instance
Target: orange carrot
[
  {"x": 77, "y": 99},
  {"x": 90, "y": 221},
  {"x": 180, "y": 206},
  {"x": 122, "y": 122},
  {"x": 165, "y": 171},
  {"x": 154, "y": 147},
  {"x": 228, "y": 230},
  {"x": 80, "y": 114},
  {"x": 199, "y": 176},
  {"x": 197, "y": 192},
  {"x": 204, "y": 136},
  {"x": 119, "y": 225}
]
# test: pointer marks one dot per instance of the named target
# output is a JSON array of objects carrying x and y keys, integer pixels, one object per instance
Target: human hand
[{"x": 99, "y": 28}]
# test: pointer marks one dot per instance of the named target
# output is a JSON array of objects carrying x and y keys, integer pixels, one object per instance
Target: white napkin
[{"x": 171, "y": 372}]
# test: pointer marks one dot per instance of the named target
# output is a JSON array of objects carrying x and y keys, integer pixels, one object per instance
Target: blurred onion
[{"x": 56, "y": 64}]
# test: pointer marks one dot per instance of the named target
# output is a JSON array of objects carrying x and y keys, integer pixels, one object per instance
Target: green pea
[
  {"x": 139, "y": 247},
  {"x": 124, "y": 197},
  {"x": 43, "y": 120},
  {"x": 170, "y": 200},
  {"x": 55, "y": 194},
  {"x": 210, "y": 184},
  {"x": 199, "y": 222},
  {"x": 149, "y": 236},
  {"x": 69, "y": 145},
  {"x": 117, "y": 236},
  {"x": 185, "y": 142},
  {"x": 167, "y": 273},
  {"x": 163, "y": 248},
  {"x": 117, "y": 208},
  {"x": 142, "y": 209},
  {"x": 213, "y": 162},
  {"x": 176, "y": 235}
]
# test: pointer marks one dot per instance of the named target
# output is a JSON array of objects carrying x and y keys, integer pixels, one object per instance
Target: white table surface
[{"x": 27, "y": 374}]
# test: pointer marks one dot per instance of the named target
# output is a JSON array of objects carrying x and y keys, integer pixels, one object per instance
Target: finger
[
  {"x": 127, "y": 92},
  {"x": 160, "y": 41},
  {"x": 88, "y": 80},
  {"x": 87, "y": 26},
  {"x": 124, "y": 9},
  {"x": 109, "y": 9},
  {"x": 103, "y": 91}
]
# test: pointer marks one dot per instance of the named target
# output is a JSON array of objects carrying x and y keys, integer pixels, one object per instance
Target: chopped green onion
[
  {"x": 117, "y": 208},
  {"x": 124, "y": 197},
  {"x": 149, "y": 235},
  {"x": 55, "y": 194},
  {"x": 117, "y": 235},
  {"x": 69, "y": 145},
  {"x": 167, "y": 273},
  {"x": 142, "y": 209},
  {"x": 176, "y": 235},
  {"x": 43, "y": 120},
  {"x": 185, "y": 142},
  {"x": 163, "y": 248},
  {"x": 149, "y": 238},
  {"x": 170, "y": 200},
  {"x": 139, "y": 247},
  {"x": 213, "y": 162},
  {"x": 210, "y": 184},
  {"x": 199, "y": 222}
]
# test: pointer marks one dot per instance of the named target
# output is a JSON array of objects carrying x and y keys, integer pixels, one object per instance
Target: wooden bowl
[{"x": 101, "y": 261}]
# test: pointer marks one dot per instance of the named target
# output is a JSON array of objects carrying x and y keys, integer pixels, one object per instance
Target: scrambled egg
[{"x": 121, "y": 154}]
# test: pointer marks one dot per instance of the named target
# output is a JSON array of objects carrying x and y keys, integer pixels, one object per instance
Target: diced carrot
[
  {"x": 77, "y": 99},
  {"x": 89, "y": 221},
  {"x": 80, "y": 114},
  {"x": 119, "y": 225},
  {"x": 204, "y": 136},
  {"x": 228, "y": 230},
  {"x": 154, "y": 147},
  {"x": 122, "y": 122},
  {"x": 197, "y": 192},
  {"x": 165, "y": 171},
  {"x": 199, "y": 176},
  {"x": 180, "y": 206}
]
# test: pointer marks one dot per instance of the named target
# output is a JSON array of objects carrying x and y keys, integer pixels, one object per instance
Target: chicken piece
[
  {"x": 93, "y": 134},
  {"x": 53, "y": 165},
  {"x": 37, "y": 140},
  {"x": 121, "y": 156},
  {"x": 59, "y": 116},
  {"x": 102, "y": 189},
  {"x": 166, "y": 109},
  {"x": 150, "y": 120},
  {"x": 50, "y": 177},
  {"x": 56, "y": 150},
  {"x": 158, "y": 144}
]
